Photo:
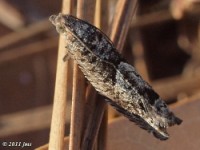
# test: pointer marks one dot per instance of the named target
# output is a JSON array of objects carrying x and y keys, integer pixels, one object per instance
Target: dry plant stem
[
  {"x": 78, "y": 95},
  {"x": 122, "y": 19},
  {"x": 59, "y": 106},
  {"x": 101, "y": 15},
  {"x": 159, "y": 16},
  {"x": 138, "y": 54},
  {"x": 102, "y": 22},
  {"x": 95, "y": 105},
  {"x": 102, "y": 136},
  {"x": 194, "y": 10},
  {"x": 46, "y": 146},
  {"x": 94, "y": 124},
  {"x": 56, "y": 141},
  {"x": 12, "y": 18},
  {"x": 191, "y": 32},
  {"x": 16, "y": 123},
  {"x": 28, "y": 49},
  {"x": 151, "y": 18},
  {"x": 85, "y": 10},
  {"x": 89, "y": 110},
  {"x": 175, "y": 85},
  {"x": 94, "y": 112},
  {"x": 25, "y": 33},
  {"x": 125, "y": 11},
  {"x": 192, "y": 98},
  {"x": 179, "y": 7}
]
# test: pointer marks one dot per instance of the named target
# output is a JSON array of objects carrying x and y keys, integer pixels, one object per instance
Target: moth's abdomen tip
[
  {"x": 178, "y": 121},
  {"x": 173, "y": 120}
]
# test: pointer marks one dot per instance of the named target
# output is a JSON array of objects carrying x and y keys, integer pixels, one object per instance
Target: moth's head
[
  {"x": 59, "y": 22},
  {"x": 71, "y": 24}
]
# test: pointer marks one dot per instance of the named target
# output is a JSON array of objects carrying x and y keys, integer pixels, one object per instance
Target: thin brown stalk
[
  {"x": 161, "y": 16},
  {"x": 124, "y": 13},
  {"x": 94, "y": 112},
  {"x": 94, "y": 124},
  {"x": 138, "y": 54},
  {"x": 95, "y": 105},
  {"x": 12, "y": 19},
  {"x": 121, "y": 22},
  {"x": 24, "y": 33},
  {"x": 175, "y": 85},
  {"x": 78, "y": 95},
  {"x": 102, "y": 22},
  {"x": 28, "y": 49},
  {"x": 46, "y": 146},
  {"x": 56, "y": 141},
  {"x": 151, "y": 18},
  {"x": 91, "y": 96},
  {"x": 102, "y": 136},
  {"x": 119, "y": 28},
  {"x": 186, "y": 100}
]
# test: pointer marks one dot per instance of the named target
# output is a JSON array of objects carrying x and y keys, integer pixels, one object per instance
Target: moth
[{"x": 113, "y": 77}]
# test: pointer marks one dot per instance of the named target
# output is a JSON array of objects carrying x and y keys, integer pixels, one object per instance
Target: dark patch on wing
[
  {"x": 94, "y": 39},
  {"x": 148, "y": 94}
]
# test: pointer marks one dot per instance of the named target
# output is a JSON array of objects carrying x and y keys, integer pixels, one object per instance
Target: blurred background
[{"x": 163, "y": 44}]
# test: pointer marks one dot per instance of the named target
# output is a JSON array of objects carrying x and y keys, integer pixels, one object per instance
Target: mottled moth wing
[{"x": 113, "y": 77}]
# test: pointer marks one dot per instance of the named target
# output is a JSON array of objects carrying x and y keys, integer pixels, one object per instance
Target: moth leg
[{"x": 66, "y": 57}]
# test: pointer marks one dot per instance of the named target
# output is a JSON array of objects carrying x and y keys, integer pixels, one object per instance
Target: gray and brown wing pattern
[{"x": 113, "y": 77}]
